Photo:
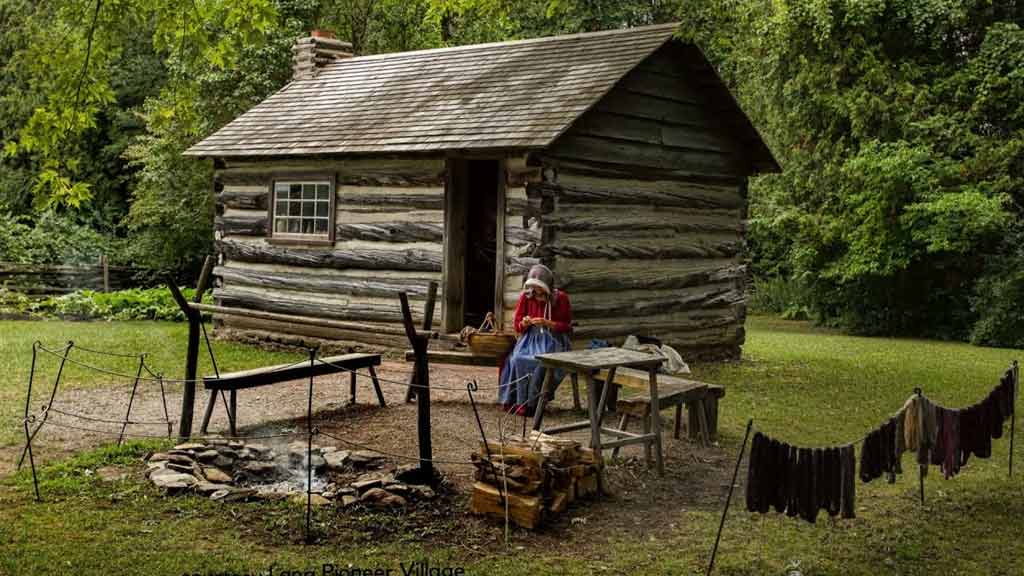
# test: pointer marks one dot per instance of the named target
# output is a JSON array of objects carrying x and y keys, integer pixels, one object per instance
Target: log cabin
[{"x": 617, "y": 158}]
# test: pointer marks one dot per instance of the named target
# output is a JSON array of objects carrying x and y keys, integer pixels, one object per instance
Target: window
[{"x": 303, "y": 209}]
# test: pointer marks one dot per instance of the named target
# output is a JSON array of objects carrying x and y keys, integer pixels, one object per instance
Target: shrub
[{"x": 134, "y": 304}]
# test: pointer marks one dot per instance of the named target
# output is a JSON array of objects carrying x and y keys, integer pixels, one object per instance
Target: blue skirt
[{"x": 522, "y": 376}]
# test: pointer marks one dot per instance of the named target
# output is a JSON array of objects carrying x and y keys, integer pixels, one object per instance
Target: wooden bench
[
  {"x": 700, "y": 399},
  {"x": 266, "y": 375}
]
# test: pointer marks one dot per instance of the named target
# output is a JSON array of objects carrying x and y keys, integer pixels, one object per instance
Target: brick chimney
[{"x": 315, "y": 51}]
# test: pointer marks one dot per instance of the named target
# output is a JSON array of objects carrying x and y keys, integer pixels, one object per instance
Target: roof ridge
[{"x": 669, "y": 26}]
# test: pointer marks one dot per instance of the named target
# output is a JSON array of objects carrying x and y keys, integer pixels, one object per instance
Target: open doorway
[{"x": 472, "y": 221}]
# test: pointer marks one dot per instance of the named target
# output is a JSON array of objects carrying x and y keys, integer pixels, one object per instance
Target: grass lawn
[{"x": 802, "y": 384}]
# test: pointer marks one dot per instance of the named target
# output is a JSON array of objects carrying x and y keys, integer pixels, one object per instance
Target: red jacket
[{"x": 561, "y": 311}]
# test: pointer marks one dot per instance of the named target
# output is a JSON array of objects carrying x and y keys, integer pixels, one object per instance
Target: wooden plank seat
[
  {"x": 232, "y": 382},
  {"x": 700, "y": 399}
]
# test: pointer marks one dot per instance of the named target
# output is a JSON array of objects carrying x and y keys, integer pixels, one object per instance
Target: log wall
[
  {"x": 641, "y": 210},
  {"x": 388, "y": 238}
]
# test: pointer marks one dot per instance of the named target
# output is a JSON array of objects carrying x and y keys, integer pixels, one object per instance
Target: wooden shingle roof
[{"x": 519, "y": 94}]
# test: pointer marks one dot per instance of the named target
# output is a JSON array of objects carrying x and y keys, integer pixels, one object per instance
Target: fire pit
[{"x": 234, "y": 471}]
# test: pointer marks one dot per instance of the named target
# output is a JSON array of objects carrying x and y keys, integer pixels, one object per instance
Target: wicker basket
[{"x": 492, "y": 343}]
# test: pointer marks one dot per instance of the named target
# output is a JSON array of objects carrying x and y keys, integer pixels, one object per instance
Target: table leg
[
  {"x": 575, "y": 392},
  {"x": 352, "y": 387},
  {"x": 604, "y": 395},
  {"x": 656, "y": 422},
  {"x": 233, "y": 417},
  {"x": 542, "y": 401},
  {"x": 595, "y": 427}
]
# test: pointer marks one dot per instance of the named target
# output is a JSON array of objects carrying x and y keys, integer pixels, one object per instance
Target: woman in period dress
[{"x": 543, "y": 322}]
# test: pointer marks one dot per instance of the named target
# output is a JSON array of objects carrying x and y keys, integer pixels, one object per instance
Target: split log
[
  {"x": 584, "y": 167},
  {"x": 343, "y": 255},
  {"x": 637, "y": 154},
  {"x": 650, "y": 248},
  {"x": 412, "y": 216},
  {"x": 679, "y": 337},
  {"x": 583, "y": 189},
  {"x": 656, "y": 132},
  {"x": 333, "y": 284},
  {"x": 242, "y": 223},
  {"x": 525, "y": 511},
  {"x": 317, "y": 305},
  {"x": 244, "y": 197},
  {"x": 600, "y": 274},
  {"x": 630, "y": 303},
  {"x": 687, "y": 321},
  {"x": 638, "y": 217},
  {"x": 391, "y": 232}
]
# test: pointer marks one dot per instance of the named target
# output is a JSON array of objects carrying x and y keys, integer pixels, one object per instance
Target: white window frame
[{"x": 293, "y": 223}]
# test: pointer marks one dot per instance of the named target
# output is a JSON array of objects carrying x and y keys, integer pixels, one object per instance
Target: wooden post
[
  {"x": 188, "y": 397},
  {"x": 428, "y": 319},
  {"x": 422, "y": 372},
  {"x": 105, "y": 270}
]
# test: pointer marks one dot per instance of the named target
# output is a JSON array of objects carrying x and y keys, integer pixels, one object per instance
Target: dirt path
[{"x": 643, "y": 505}]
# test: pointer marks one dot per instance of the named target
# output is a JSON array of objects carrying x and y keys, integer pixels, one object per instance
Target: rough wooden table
[{"x": 586, "y": 364}]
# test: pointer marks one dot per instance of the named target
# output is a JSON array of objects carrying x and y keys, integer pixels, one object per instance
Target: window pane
[
  {"x": 293, "y": 225},
  {"x": 282, "y": 208},
  {"x": 280, "y": 225},
  {"x": 321, "y": 226},
  {"x": 307, "y": 226},
  {"x": 281, "y": 188},
  {"x": 322, "y": 191},
  {"x": 321, "y": 209},
  {"x": 307, "y": 208},
  {"x": 308, "y": 191},
  {"x": 295, "y": 208}
]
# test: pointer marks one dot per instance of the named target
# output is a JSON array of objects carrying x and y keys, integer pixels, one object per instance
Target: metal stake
[
  {"x": 131, "y": 400},
  {"x": 921, "y": 468},
  {"x": 53, "y": 394},
  {"x": 728, "y": 499},
  {"x": 28, "y": 437},
  {"x": 471, "y": 387}
]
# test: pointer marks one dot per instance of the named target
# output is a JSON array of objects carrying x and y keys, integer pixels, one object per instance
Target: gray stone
[
  {"x": 347, "y": 500},
  {"x": 180, "y": 459},
  {"x": 226, "y": 450},
  {"x": 337, "y": 460},
  {"x": 314, "y": 499},
  {"x": 207, "y": 455},
  {"x": 207, "y": 488},
  {"x": 383, "y": 498},
  {"x": 215, "y": 440},
  {"x": 216, "y": 475},
  {"x": 396, "y": 488},
  {"x": 233, "y": 495},
  {"x": 184, "y": 468},
  {"x": 259, "y": 470},
  {"x": 367, "y": 482},
  {"x": 236, "y": 444},
  {"x": 174, "y": 482},
  {"x": 158, "y": 457},
  {"x": 423, "y": 492},
  {"x": 160, "y": 470},
  {"x": 222, "y": 461},
  {"x": 190, "y": 446},
  {"x": 260, "y": 449},
  {"x": 246, "y": 454},
  {"x": 366, "y": 458}
]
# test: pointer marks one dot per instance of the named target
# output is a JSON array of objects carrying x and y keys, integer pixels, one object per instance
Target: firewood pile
[{"x": 532, "y": 478}]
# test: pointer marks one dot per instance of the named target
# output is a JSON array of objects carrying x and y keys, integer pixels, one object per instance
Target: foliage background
[{"x": 899, "y": 125}]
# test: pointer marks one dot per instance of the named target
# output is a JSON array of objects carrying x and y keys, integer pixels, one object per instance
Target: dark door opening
[{"x": 471, "y": 225}]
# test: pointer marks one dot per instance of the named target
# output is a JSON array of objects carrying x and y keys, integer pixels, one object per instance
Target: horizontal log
[
  {"x": 395, "y": 341},
  {"x": 343, "y": 255},
  {"x": 638, "y": 105},
  {"x": 594, "y": 218},
  {"x": 382, "y": 198},
  {"x": 629, "y": 303},
  {"x": 647, "y": 247},
  {"x": 377, "y": 171},
  {"x": 235, "y": 224},
  {"x": 600, "y": 274},
  {"x": 391, "y": 232},
  {"x": 385, "y": 217},
  {"x": 583, "y": 189},
  {"x": 314, "y": 304},
  {"x": 240, "y": 312},
  {"x": 518, "y": 173},
  {"x": 519, "y": 236},
  {"x": 709, "y": 343},
  {"x": 243, "y": 197},
  {"x": 690, "y": 321},
  {"x": 618, "y": 170},
  {"x": 331, "y": 284},
  {"x": 637, "y": 154}
]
